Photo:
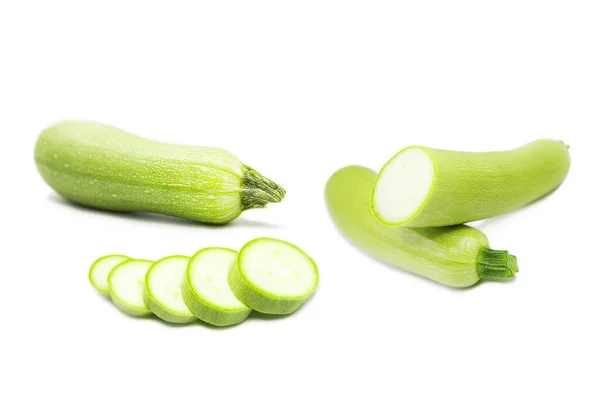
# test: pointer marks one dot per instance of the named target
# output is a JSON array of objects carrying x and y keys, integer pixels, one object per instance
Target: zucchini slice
[
  {"x": 126, "y": 284},
  {"x": 272, "y": 276},
  {"x": 98, "y": 274},
  {"x": 206, "y": 291},
  {"x": 162, "y": 293}
]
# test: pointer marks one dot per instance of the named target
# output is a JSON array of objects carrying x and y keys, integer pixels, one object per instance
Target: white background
[{"x": 298, "y": 90}]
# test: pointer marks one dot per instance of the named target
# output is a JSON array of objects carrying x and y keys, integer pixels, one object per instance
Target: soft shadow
[
  {"x": 106, "y": 298},
  {"x": 243, "y": 222},
  {"x": 218, "y": 328},
  {"x": 192, "y": 324},
  {"x": 490, "y": 221},
  {"x": 161, "y": 321},
  {"x": 267, "y": 317},
  {"x": 158, "y": 218}
]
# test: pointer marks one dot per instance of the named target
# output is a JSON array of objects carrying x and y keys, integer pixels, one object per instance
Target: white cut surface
[
  {"x": 278, "y": 268},
  {"x": 164, "y": 282},
  {"x": 127, "y": 282},
  {"x": 102, "y": 267},
  {"x": 208, "y": 276},
  {"x": 403, "y": 185}
]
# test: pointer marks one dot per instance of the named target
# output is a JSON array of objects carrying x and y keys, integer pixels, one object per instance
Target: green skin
[
  {"x": 207, "y": 311},
  {"x": 101, "y": 166},
  {"x": 474, "y": 186},
  {"x": 457, "y": 256},
  {"x": 122, "y": 305},
  {"x": 158, "y": 308},
  {"x": 259, "y": 299}
]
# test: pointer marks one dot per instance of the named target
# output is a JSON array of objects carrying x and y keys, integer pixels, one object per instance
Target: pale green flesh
[
  {"x": 206, "y": 290},
  {"x": 104, "y": 167},
  {"x": 100, "y": 269},
  {"x": 423, "y": 187},
  {"x": 208, "y": 276},
  {"x": 273, "y": 276},
  {"x": 404, "y": 185},
  {"x": 278, "y": 269},
  {"x": 163, "y": 289},
  {"x": 446, "y": 254},
  {"x": 126, "y": 284}
]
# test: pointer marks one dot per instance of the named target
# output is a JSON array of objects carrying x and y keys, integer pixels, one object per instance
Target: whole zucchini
[
  {"x": 457, "y": 256},
  {"x": 424, "y": 187},
  {"x": 104, "y": 167}
]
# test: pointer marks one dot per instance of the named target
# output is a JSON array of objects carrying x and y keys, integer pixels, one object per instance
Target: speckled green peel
[
  {"x": 126, "y": 285},
  {"x": 98, "y": 273},
  {"x": 162, "y": 294},
  {"x": 272, "y": 276},
  {"x": 104, "y": 167},
  {"x": 457, "y": 256},
  {"x": 424, "y": 187},
  {"x": 206, "y": 291}
]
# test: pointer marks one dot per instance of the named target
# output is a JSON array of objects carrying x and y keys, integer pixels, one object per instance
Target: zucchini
[
  {"x": 101, "y": 166},
  {"x": 126, "y": 285},
  {"x": 272, "y": 276},
  {"x": 162, "y": 294},
  {"x": 206, "y": 291},
  {"x": 98, "y": 274},
  {"x": 457, "y": 256},
  {"x": 423, "y": 187}
]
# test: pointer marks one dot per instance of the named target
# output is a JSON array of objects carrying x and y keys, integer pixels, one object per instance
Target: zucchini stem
[
  {"x": 258, "y": 191},
  {"x": 496, "y": 264}
]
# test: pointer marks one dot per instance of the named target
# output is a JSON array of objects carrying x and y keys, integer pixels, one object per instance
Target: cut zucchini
[
  {"x": 163, "y": 290},
  {"x": 422, "y": 187},
  {"x": 272, "y": 276},
  {"x": 100, "y": 269},
  {"x": 457, "y": 256},
  {"x": 206, "y": 291},
  {"x": 126, "y": 285},
  {"x": 404, "y": 185}
]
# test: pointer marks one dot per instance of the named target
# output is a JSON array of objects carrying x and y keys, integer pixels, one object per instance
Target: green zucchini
[
  {"x": 126, "y": 286},
  {"x": 457, "y": 256},
  {"x": 162, "y": 290},
  {"x": 100, "y": 269},
  {"x": 272, "y": 276},
  {"x": 206, "y": 290},
  {"x": 104, "y": 167},
  {"x": 423, "y": 187}
]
